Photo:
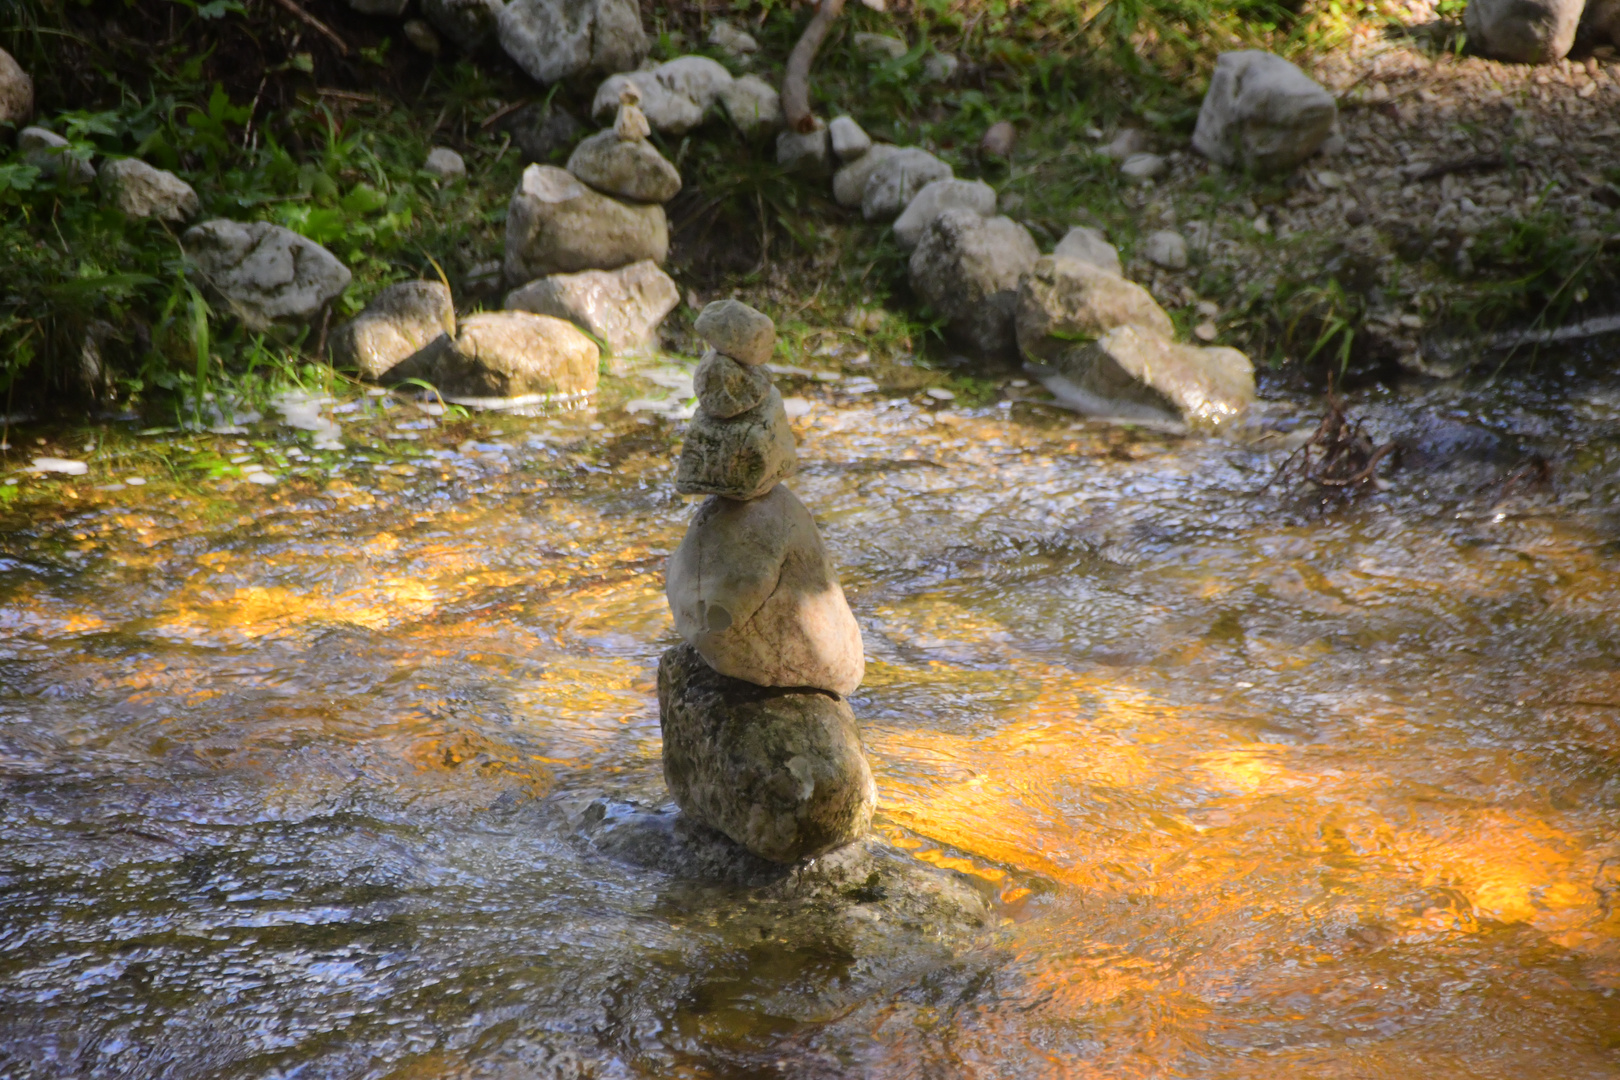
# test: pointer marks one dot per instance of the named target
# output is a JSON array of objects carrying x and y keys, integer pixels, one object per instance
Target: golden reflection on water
[{"x": 1274, "y": 842}]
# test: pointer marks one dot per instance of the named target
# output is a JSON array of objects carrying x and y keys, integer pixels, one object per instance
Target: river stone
[
  {"x": 781, "y": 772},
  {"x": 937, "y": 197},
  {"x": 805, "y": 152},
  {"x": 896, "y": 181},
  {"x": 445, "y": 163},
  {"x": 1136, "y": 374},
  {"x": 1604, "y": 17},
  {"x": 16, "y": 91},
  {"x": 1089, "y": 245},
  {"x": 849, "y": 141},
  {"x": 849, "y": 182},
  {"x": 753, "y": 589},
  {"x": 746, "y": 335},
  {"x": 553, "y": 39},
  {"x": 506, "y": 354},
  {"x": 880, "y": 46},
  {"x": 264, "y": 273},
  {"x": 51, "y": 155},
  {"x": 1262, "y": 113},
  {"x": 469, "y": 23},
  {"x": 1127, "y": 144},
  {"x": 1166, "y": 248},
  {"x": 726, "y": 388},
  {"x": 731, "y": 40},
  {"x": 752, "y": 104},
  {"x": 422, "y": 37},
  {"x": 557, "y": 225},
  {"x": 940, "y": 67},
  {"x": 675, "y": 95},
  {"x": 629, "y": 168},
  {"x": 1061, "y": 300},
  {"x": 1140, "y": 168},
  {"x": 1522, "y": 31},
  {"x": 140, "y": 191},
  {"x": 400, "y": 322},
  {"x": 966, "y": 268},
  {"x": 742, "y": 457},
  {"x": 622, "y": 307}
]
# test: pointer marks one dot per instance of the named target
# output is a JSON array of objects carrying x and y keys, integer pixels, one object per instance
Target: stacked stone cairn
[
  {"x": 584, "y": 245},
  {"x": 759, "y": 741}
]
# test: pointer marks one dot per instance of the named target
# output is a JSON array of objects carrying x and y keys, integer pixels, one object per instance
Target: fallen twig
[
  {"x": 796, "y": 79},
  {"x": 326, "y": 31}
]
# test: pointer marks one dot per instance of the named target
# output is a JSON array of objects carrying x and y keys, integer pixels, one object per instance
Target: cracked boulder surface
[
  {"x": 754, "y": 591},
  {"x": 265, "y": 274},
  {"x": 780, "y": 771}
]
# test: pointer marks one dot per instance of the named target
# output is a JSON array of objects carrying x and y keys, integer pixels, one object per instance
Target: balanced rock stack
[{"x": 759, "y": 742}]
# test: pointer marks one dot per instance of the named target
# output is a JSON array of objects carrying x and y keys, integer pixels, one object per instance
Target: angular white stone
[
  {"x": 264, "y": 273},
  {"x": 937, "y": 197}
]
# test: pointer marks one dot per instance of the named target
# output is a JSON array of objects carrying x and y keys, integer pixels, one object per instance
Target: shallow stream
[{"x": 296, "y": 777}]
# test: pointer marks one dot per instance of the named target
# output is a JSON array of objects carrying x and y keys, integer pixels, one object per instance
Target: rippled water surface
[{"x": 292, "y": 776}]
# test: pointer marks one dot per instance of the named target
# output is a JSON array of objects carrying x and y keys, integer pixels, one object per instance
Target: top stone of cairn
[{"x": 736, "y": 330}]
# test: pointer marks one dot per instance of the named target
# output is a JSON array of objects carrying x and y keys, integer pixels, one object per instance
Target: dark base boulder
[{"x": 780, "y": 771}]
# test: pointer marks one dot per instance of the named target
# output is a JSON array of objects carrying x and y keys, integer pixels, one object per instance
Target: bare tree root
[
  {"x": 796, "y": 79},
  {"x": 1339, "y": 455}
]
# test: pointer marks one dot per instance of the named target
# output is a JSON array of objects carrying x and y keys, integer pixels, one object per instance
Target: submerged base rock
[
  {"x": 1134, "y": 374},
  {"x": 622, "y": 307},
  {"x": 753, "y": 589},
  {"x": 781, "y": 772}
]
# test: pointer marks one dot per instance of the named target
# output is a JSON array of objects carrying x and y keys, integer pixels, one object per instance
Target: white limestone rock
[
  {"x": 1062, "y": 300},
  {"x": 264, "y": 274},
  {"x": 628, "y": 168},
  {"x": 1166, "y": 248},
  {"x": 896, "y": 181},
  {"x": 675, "y": 95},
  {"x": 445, "y": 163},
  {"x": 849, "y": 141},
  {"x": 752, "y": 104},
  {"x": 849, "y": 183},
  {"x": 398, "y": 323},
  {"x": 806, "y": 152},
  {"x": 937, "y": 197},
  {"x": 1262, "y": 114},
  {"x": 1089, "y": 245},
  {"x": 505, "y": 354},
  {"x": 141, "y": 191},
  {"x": 53, "y": 156}
]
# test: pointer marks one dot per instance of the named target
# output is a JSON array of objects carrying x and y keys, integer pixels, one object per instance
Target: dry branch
[{"x": 796, "y": 80}]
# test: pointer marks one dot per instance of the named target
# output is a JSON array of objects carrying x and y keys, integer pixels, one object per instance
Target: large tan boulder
[{"x": 754, "y": 591}]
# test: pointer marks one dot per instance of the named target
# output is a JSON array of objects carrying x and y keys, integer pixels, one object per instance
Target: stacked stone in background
[
  {"x": 759, "y": 742},
  {"x": 585, "y": 244}
]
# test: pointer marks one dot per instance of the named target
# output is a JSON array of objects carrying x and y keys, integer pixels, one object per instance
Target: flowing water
[{"x": 293, "y": 774}]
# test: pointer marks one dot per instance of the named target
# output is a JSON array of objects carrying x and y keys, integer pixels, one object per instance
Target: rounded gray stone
[
  {"x": 628, "y": 168},
  {"x": 743, "y": 333},
  {"x": 398, "y": 323},
  {"x": 265, "y": 274},
  {"x": 507, "y": 354},
  {"x": 1062, "y": 300},
  {"x": 1262, "y": 113},
  {"x": 139, "y": 191},
  {"x": 967, "y": 268},
  {"x": 753, "y": 589},
  {"x": 16, "y": 91},
  {"x": 1089, "y": 245},
  {"x": 742, "y": 457},
  {"x": 445, "y": 163},
  {"x": 726, "y": 388},
  {"x": 781, "y": 772},
  {"x": 557, "y": 225},
  {"x": 896, "y": 181}
]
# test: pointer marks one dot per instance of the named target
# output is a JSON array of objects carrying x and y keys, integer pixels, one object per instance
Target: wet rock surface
[
  {"x": 1130, "y": 373},
  {"x": 781, "y": 772},
  {"x": 754, "y": 590},
  {"x": 265, "y": 274}
]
